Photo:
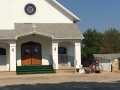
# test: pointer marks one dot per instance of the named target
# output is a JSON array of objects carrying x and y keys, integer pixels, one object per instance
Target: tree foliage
[
  {"x": 92, "y": 43},
  {"x": 111, "y": 41}
]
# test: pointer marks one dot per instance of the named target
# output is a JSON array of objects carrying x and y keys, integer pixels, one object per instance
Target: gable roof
[
  {"x": 53, "y": 30},
  {"x": 75, "y": 18}
]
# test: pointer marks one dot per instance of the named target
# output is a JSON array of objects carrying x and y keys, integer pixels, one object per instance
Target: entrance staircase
[{"x": 34, "y": 69}]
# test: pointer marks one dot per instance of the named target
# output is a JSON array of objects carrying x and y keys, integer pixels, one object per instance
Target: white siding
[
  {"x": 46, "y": 12},
  {"x": 12, "y": 11},
  {"x": 45, "y": 42},
  {"x": 6, "y": 14}
]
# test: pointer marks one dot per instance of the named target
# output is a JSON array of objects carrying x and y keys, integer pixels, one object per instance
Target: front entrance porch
[{"x": 31, "y": 50}]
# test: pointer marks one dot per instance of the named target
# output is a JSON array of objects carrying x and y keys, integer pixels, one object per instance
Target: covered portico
[
  {"x": 46, "y": 39},
  {"x": 49, "y": 48},
  {"x": 73, "y": 51}
]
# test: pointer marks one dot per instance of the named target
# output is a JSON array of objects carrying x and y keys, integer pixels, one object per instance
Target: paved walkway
[{"x": 103, "y": 81}]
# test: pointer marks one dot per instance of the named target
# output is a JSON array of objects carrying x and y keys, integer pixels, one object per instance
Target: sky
[{"x": 95, "y": 14}]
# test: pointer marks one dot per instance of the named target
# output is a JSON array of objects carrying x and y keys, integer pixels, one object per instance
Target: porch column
[
  {"x": 55, "y": 54},
  {"x": 78, "y": 54},
  {"x": 12, "y": 56}
]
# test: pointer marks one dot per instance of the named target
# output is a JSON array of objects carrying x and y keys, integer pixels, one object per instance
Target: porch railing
[{"x": 65, "y": 60}]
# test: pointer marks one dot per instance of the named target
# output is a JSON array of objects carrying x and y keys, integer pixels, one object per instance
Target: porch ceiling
[{"x": 53, "y": 30}]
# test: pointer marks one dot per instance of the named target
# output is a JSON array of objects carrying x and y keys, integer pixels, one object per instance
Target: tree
[
  {"x": 111, "y": 41},
  {"x": 92, "y": 43}
]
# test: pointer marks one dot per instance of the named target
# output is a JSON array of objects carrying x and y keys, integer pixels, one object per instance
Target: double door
[{"x": 31, "y": 55}]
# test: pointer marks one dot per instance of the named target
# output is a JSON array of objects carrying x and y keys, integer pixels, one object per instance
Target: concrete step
[
  {"x": 65, "y": 71},
  {"x": 7, "y": 73},
  {"x": 66, "y": 67}
]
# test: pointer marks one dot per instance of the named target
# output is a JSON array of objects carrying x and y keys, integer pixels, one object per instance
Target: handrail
[
  {"x": 16, "y": 62},
  {"x": 54, "y": 65}
]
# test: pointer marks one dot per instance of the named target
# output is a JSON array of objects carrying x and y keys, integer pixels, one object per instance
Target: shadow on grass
[{"x": 65, "y": 86}]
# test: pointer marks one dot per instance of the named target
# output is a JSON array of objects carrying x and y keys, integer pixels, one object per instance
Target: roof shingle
[{"x": 57, "y": 30}]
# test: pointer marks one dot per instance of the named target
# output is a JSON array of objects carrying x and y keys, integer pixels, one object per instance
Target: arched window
[
  {"x": 61, "y": 50},
  {"x": 2, "y": 51}
]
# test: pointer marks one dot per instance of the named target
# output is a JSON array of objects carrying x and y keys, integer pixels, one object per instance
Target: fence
[{"x": 65, "y": 60}]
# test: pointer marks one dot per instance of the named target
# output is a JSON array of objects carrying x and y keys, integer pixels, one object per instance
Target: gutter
[{"x": 70, "y": 38}]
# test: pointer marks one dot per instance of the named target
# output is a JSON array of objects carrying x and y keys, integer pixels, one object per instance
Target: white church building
[{"x": 38, "y": 32}]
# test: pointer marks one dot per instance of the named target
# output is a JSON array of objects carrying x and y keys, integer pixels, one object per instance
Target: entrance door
[
  {"x": 36, "y": 55},
  {"x": 26, "y": 55},
  {"x": 31, "y": 54}
]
